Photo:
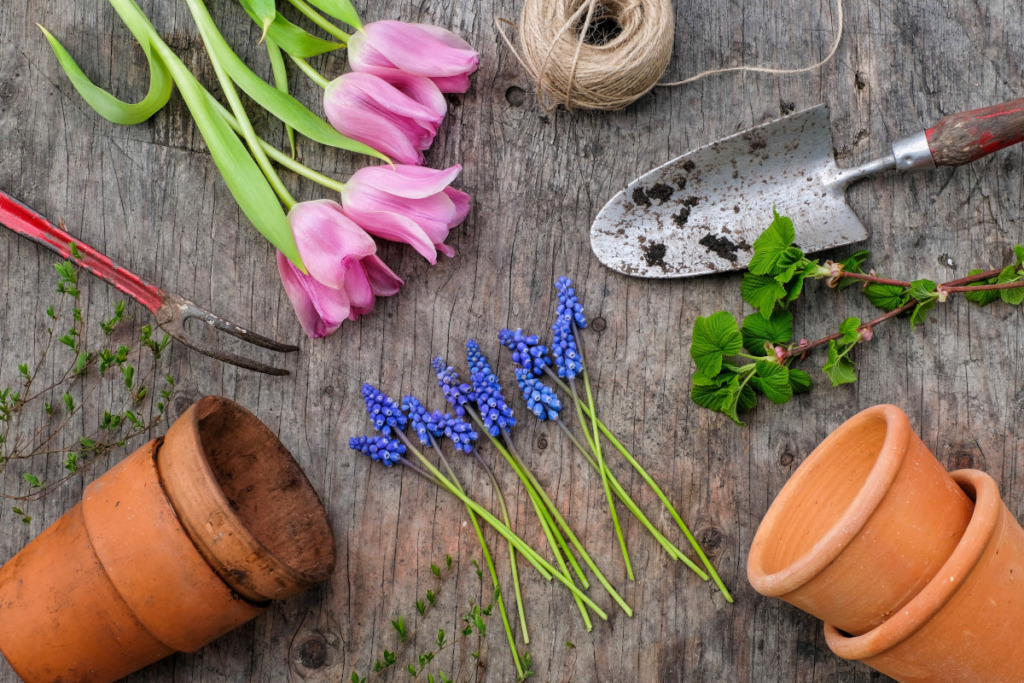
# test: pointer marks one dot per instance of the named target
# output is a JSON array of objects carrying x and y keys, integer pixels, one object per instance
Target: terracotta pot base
[{"x": 967, "y": 623}]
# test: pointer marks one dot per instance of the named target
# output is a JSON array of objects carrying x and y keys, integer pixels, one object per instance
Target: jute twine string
[{"x": 576, "y": 61}]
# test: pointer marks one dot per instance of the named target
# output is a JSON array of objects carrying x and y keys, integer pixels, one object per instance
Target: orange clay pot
[
  {"x": 861, "y": 526},
  {"x": 117, "y": 583},
  {"x": 966, "y": 624}
]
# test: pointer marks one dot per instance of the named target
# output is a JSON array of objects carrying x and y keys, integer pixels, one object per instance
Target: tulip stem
[
  {"x": 208, "y": 32},
  {"x": 313, "y": 74},
  {"x": 322, "y": 22},
  {"x": 279, "y": 156}
]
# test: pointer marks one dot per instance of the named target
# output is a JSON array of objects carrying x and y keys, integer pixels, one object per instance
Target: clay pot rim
[
  {"x": 850, "y": 523},
  {"x": 988, "y": 510},
  {"x": 257, "y": 587}
]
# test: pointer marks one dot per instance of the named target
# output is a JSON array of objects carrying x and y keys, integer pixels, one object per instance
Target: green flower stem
[
  {"x": 280, "y": 81},
  {"x": 511, "y": 551},
  {"x": 529, "y": 481},
  {"x": 280, "y": 157},
  {"x": 669, "y": 547},
  {"x": 596, "y": 445},
  {"x": 542, "y": 565},
  {"x": 208, "y": 32},
  {"x": 602, "y": 467},
  {"x": 313, "y": 74},
  {"x": 575, "y": 541},
  {"x": 551, "y": 533},
  {"x": 483, "y": 546},
  {"x": 654, "y": 486},
  {"x": 322, "y": 22}
]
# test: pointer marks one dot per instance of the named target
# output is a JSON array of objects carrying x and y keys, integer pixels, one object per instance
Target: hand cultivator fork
[{"x": 171, "y": 310}]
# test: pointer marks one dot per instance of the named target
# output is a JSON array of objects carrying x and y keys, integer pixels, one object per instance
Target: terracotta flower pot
[
  {"x": 861, "y": 526},
  {"x": 118, "y": 583},
  {"x": 966, "y": 624}
]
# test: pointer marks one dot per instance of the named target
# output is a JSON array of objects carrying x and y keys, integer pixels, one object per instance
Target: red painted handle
[
  {"x": 30, "y": 224},
  {"x": 962, "y": 138}
]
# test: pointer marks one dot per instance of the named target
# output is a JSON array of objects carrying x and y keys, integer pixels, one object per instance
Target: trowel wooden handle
[{"x": 962, "y": 138}]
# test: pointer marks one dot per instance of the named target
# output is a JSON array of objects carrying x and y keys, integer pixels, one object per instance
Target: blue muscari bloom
[
  {"x": 539, "y": 397},
  {"x": 455, "y": 393},
  {"x": 378, "y": 448},
  {"x": 487, "y": 392},
  {"x": 418, "y": 418},
  {"x": 568, "y": 303},
  {"x": 527, "y": 351},
  {"x": 455, "y": 428},
  {"x": 563, "y": 348},
  {"x": 383, "y": 411}
]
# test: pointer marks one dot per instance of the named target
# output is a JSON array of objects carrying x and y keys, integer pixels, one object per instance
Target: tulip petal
[
  {"x": 360, "y": 294},
  {"x": 397, "y": 228},
  {"x": 418, "y": 49},
  {"x": 462, "y": 201},
  {"x": 420, "y": 89},
  {"x": 383, "y": 280},
  {"x": 320, "y": 310},
  {"x": 328, "y": 240},
  {"x": 436, "y": 209},
  {"x": 413, "y": 182}
]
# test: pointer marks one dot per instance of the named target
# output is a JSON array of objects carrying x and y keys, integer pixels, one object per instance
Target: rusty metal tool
[
  {"x": 700, "y": 213},
  {"x": 171, "y": 310}
]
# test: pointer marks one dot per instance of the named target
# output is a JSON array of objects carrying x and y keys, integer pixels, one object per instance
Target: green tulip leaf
[
  {"x": 282, "y": 105},
  {"x": 342, "y": 10},
  {"x": 291, "y": 38},
  {"x": 105, "y": 104}
]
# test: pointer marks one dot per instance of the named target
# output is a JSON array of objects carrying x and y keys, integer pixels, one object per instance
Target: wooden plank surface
[{"x": 150, "y": 197}]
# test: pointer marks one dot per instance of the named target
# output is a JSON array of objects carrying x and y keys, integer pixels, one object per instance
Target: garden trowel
[{"x": 700, "y": 213}]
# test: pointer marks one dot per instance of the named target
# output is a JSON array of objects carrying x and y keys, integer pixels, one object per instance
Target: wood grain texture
[{"x": 150, "y": 197}]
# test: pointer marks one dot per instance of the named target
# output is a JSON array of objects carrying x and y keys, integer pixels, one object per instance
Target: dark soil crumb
[
  {"x": 654, "y": 254},
  {"x": 661, "y": 192},
  {"x": 756, "y": 141},
  {"x": 689, "y": 166},
  {"x": 681, "y": 182},
  {"x": 640, "y": 197},
  {"x": 723, "y": 246},
  {"x": 859, "y": 81},
  {"x": 736, "y": 209},
  {"x": 691, "y": 201},
  {"x": 787, "y": 107},
  {"x": 680, "y": 218}
]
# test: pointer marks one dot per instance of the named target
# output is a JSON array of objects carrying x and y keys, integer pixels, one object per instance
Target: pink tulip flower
[
  {"x": 419, "y": 49},
  {"x": 345, "y": 273},
  {"x": 395, "y": 113},
  {"x": 408, "y": 204}
]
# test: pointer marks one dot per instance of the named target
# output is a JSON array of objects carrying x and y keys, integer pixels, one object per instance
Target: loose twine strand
[{"x": 606, "y": 54}]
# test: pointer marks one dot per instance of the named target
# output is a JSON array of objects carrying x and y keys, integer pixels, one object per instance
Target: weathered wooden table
[{"x": 150, "y": 197}]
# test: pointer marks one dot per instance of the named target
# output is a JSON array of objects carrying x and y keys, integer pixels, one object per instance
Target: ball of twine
[{"x": 595, "y": 54}]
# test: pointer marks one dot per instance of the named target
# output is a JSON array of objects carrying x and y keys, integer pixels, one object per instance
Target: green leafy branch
[
  {"x": 28, "y": 433},
  {"x": 737, "y": 361}
]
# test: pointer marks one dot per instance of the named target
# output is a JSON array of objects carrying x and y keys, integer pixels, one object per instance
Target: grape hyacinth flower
[
  {"x": 527, "y": 351},
  {"x": 455, "y": 429},
  {"x": 378, "y": 448},
  {"x": 563, "y": 347},
  {"x": 568, "y": 303},
  {"x": 455, "y": 392},
  {"x": 385, "y": 414},
  {"x": 409, "y": 204},
  {"x": 383, "y": 47},
  {"x": 540, "y": 399},
  {"x": 419, "y": 418},
  {"x": 397, "y": 114},
  {"x": 487, "y": 392}
]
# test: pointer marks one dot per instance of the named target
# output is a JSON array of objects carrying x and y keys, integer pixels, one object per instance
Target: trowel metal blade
[{"x": 700, "y": 213}]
